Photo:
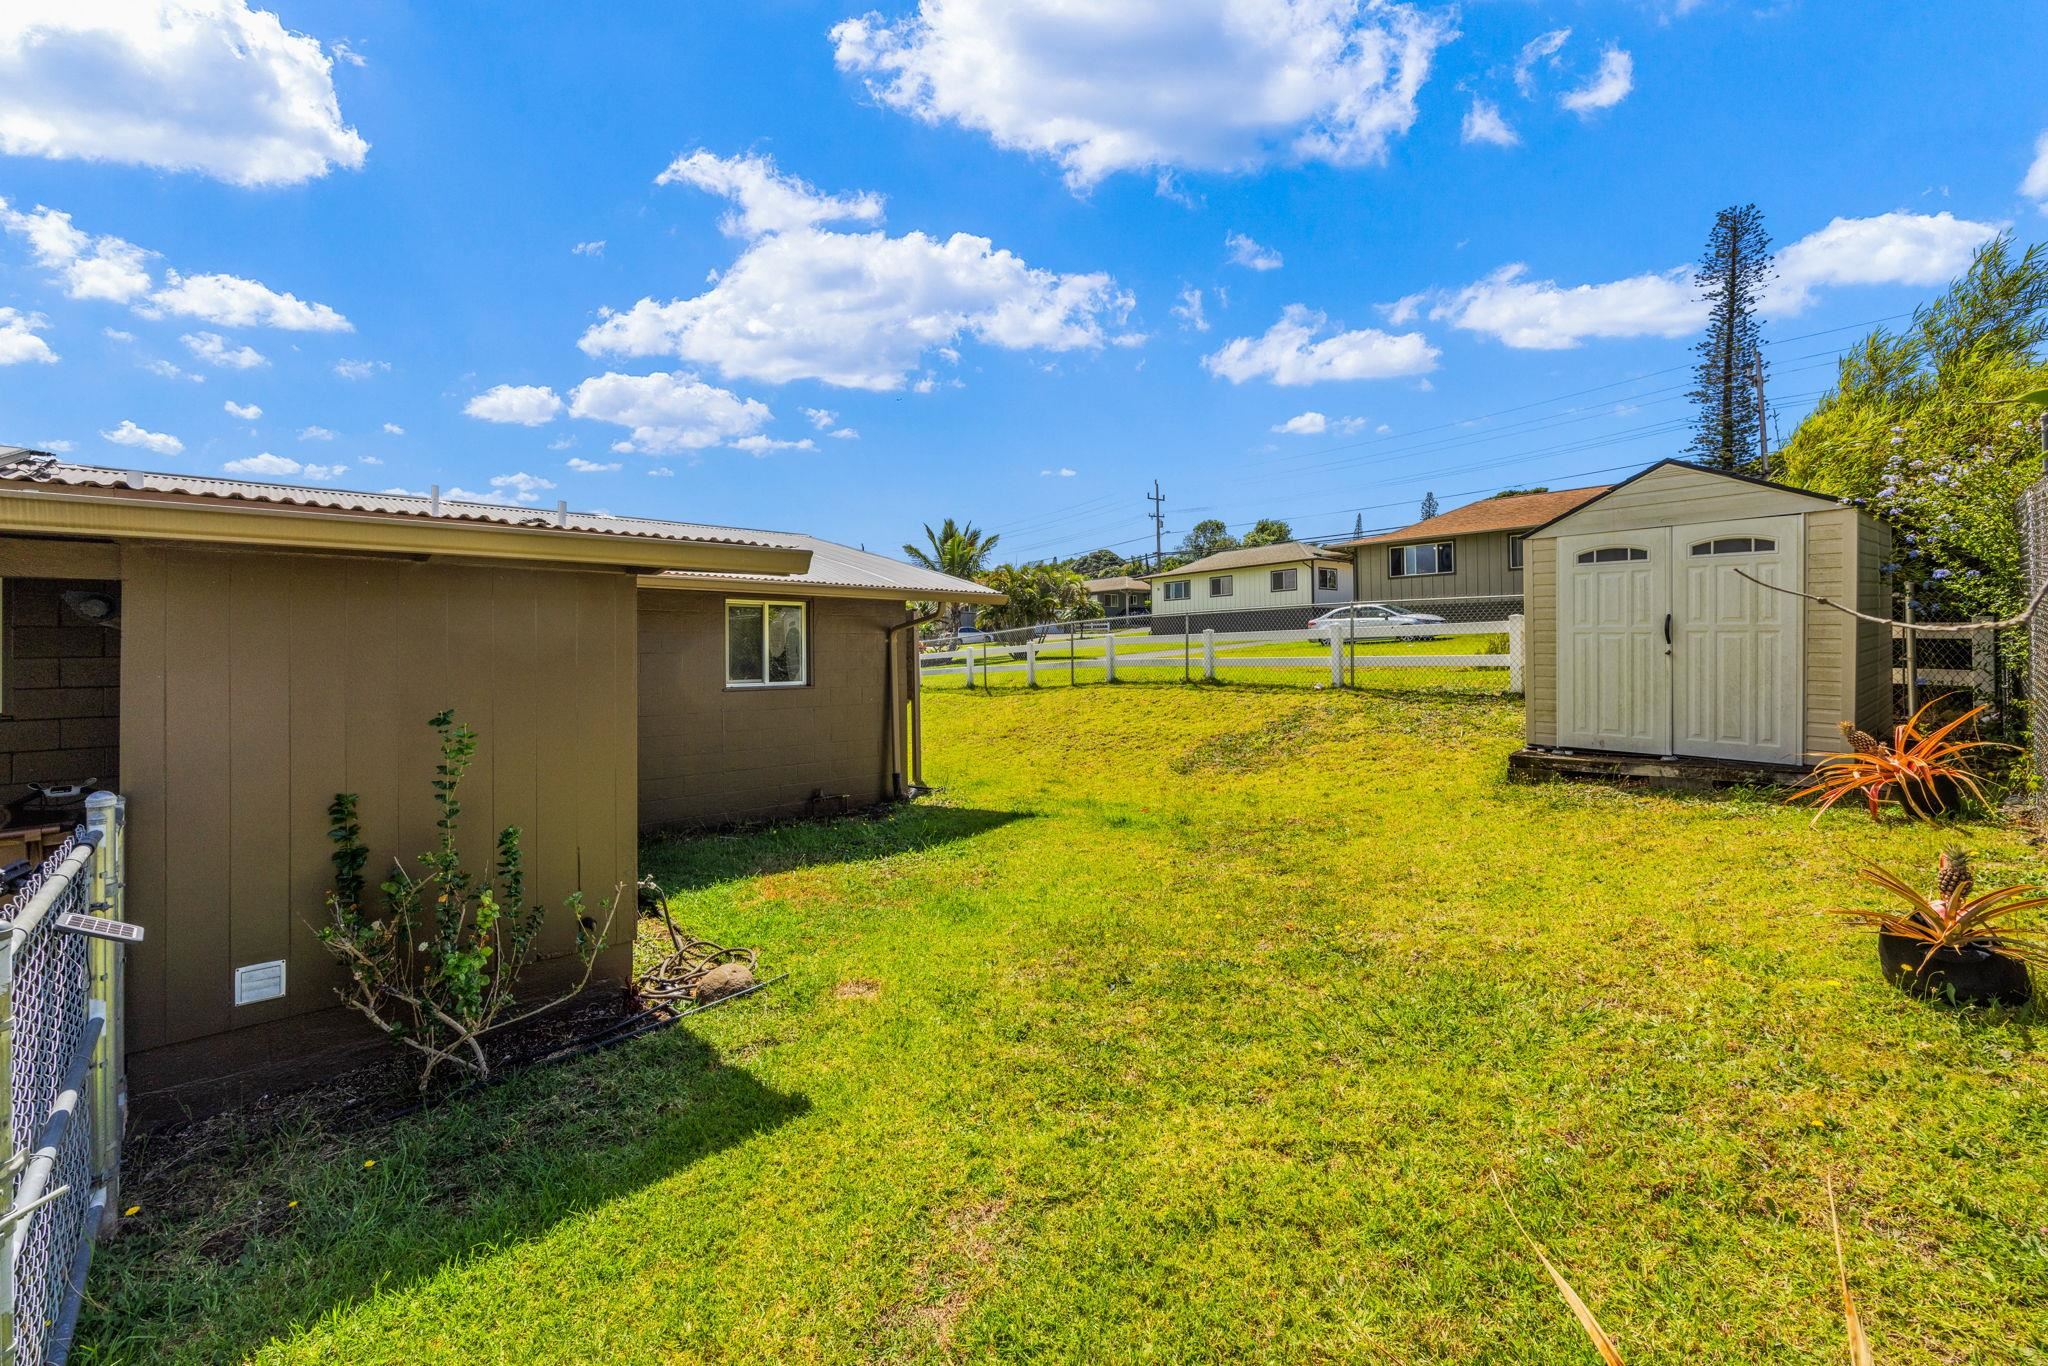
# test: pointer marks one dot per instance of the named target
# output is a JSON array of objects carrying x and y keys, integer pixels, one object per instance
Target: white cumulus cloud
[
  {"x": 582, "y": 466},
  {"x": 667, "y": 413},
  {"x": 1888, "y": 249},
  {"x": 527, "y": 405},
  {"x": 215, "y": 349},
  {"x": 104, "y": 267},
  {"x": 360, "y": 369},
  {"x": 1310, "y": 423},
  {"x": 186, "y": 85},
  {"x": 315, "y": 434},
  {"x": 231, "y": 301},
  {"x": 1063, "y": 472},
  {"x": 1543, "y": 46},
  {"x": 591, "y": 248},
  {"x": 270, "y": 466},
  {"x": 764, "y": 199},
  {"x": 247, "y": 412},
  {"x": 1292, "y": 352},
  {"x": 1483, "y": 123},
  {"x": 857, "y": 310},
  {"x": 393, "y": 429},
  {"x": 1249, "y": 254},
  {"x": 1543, "y": 315},
  {"x": 1608, "y": 87},
  {"x": 758, "y": 444},
  {"x": 1224, "y": 85},
  {"x": 2035, "y": 185},
  {"x": 1189, "y": 310},
  {"x": 521, "y": 487},
  {"x": 18, "y": 339},
  {"x": 158, "y": 443}
]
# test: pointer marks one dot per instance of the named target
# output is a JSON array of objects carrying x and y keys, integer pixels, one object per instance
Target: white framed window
[
  {"x": 1613, "y": 554},
  {"x": 1179, "y": 590},
  {"x": 1283, "y": 580},
  {"x": 1412, "y": 561},
  {"x": 1736, "y": 545},
  {"x": 1326, "y": 580},
  {"x": 1515, "y": 551},
  {"x": 767, "y": 644},
  {"x": 1222, "y": 585}
]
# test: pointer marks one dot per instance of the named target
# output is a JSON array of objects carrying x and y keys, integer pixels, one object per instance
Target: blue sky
[{"x": 803, "y": 266}]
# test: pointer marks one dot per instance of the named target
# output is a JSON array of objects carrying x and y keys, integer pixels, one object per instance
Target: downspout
[{"x": 894, "y": 714}]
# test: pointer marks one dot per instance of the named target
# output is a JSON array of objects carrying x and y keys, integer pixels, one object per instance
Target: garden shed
[{"x": 1650, "y": 655}]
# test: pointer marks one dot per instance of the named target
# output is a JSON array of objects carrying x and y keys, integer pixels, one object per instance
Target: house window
[
  {"x": 1326, "y": 580},
  {"x": 1409, "y": 561},
  {"x": 1179, "y": 590},
  {"x": 1284, "y": 580},
  {"x": 766, "y": 645},
  {"x": 1613, "y": 554},
  {"x": 1736, "y": 545},
  {"x": 1515, "y": 551},
  {"x": 1221, "y": 585}
]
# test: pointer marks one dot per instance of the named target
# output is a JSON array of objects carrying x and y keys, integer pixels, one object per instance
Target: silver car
[{"x": 1374, "y": 621}]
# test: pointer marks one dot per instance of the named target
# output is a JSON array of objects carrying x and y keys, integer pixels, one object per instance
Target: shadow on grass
[
  {"x": 243, "y": 1240},
  {"x": 683, "y": 863}
]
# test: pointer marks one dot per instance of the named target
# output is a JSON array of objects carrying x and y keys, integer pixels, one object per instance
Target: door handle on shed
[{"x": 1667, "y": 630}]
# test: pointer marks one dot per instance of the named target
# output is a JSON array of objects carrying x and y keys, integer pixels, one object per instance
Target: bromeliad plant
[
  {"x": 437, "y": 967},
  {"x": 1953, "y": 919},
  {"x": 1922, "y": 770}
]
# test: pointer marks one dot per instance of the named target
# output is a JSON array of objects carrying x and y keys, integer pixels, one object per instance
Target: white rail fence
[{"x": 61, "y": 1036}]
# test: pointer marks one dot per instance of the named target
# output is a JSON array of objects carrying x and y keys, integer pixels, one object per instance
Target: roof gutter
[
  {"x": 40, "y": 510},
  {"x": 689, "y": 582}
]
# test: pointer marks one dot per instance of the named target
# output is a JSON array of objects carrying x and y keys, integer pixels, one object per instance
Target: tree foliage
[
  {"x": 1428, "y": 509},
  {"x": 1920, "y": 428},
  {"x": 1037, "y": 593},
  {"x": 959, "y": 549},
  {"x": 1097, "y": 564},
  {"x": 1206, "y": 537},
  {"x": 1268, "y": 531},
  {"x": 1732, "y": 278}
]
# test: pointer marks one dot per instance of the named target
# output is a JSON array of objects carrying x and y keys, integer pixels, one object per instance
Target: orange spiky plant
[
  {"x": 1954, "y": 918},
  {"x": 1920, "y": 769}
]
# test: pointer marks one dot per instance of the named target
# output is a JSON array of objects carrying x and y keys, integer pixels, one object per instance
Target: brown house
[
  {"x": 1474, "y": 551},
  {"x": 230, "y": 655}
]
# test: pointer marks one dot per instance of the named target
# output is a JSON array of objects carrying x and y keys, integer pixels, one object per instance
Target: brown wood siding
[
  {"x": 1874, "y": 702},
  {"x": 713, "y": 755},
  {"x": 1481, "y": 571},
  {"x": 257, "y": 684}
]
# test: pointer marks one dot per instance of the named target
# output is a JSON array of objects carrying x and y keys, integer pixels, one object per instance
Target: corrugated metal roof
[
  {"x": 843, "y": 567},
  {"x": 1515, "y": 512},
  {"x": 1285, "y": 552},
  {"x": 21, "y": 466}
]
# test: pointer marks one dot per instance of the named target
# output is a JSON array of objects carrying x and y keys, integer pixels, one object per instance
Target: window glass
[
  {"x": 1221, "y": 586},
  {"x": 1178, "y": 590},
  {"x": 743, "y": 662},
  {"x": 1408, "y": 560},
  {"x": 1515, "y": 551},
  {"x": 786, "y": 643},
  {"x": 1284, "y": 580},
  {"x": 1613, "y": 554},
  {"x": 1326, "y": 579},
  {"x": 1736, "y": 545}
]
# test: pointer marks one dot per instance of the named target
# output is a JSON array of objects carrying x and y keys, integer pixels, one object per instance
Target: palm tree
[{"x": 959, "y": 550}]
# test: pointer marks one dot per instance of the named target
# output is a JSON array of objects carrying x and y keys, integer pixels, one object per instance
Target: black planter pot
[{"x": 1976, "y": 975}]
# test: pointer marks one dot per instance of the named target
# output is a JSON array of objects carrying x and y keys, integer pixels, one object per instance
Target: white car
[{"x": 1373, "y": 621}]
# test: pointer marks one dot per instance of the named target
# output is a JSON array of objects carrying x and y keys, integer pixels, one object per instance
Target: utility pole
[
  {"x": 1763, "y": 430},
  {"x": 1158, "y": 502}
]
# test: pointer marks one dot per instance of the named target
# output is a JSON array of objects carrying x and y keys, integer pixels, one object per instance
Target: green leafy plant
[
  {"x": 1921, "y": 770},
  {"x": 1953, "y": 918},
  {"x": 437, "y": 965}
]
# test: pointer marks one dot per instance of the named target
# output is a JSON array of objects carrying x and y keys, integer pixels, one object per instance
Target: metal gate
[{"x": 60, "y": 1035}]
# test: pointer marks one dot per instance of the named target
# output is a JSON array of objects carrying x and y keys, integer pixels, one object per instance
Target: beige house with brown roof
[
  {"x": 1120, "y": 594},
  {"x": 1251, "y": 588},
  {"x": 1474, "y": 551}
]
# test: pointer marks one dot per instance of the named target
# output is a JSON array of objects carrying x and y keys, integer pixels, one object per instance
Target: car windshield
[{"x": 1380, "y": 613}]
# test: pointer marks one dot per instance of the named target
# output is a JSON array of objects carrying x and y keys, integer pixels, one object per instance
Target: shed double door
[{"x": 1664, "y": 649}]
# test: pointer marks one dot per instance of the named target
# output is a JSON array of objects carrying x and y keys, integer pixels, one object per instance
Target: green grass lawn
[{"x": 1195, "y": 1024}]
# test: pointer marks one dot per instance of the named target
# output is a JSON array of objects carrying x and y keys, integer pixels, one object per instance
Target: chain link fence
[
  {"x": 1470, "y": 645},
  {"x": 59, "y": 1014},
  {"x": 2027, "y": 647}
]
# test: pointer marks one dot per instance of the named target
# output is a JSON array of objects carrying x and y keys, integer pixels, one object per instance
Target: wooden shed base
[{"x": 1685, "y": 774}]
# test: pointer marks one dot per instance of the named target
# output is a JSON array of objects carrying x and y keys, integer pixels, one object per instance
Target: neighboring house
[
  {"x": 1250, "y": 589},
  {"x": 1653, "y": 637},
  {"x": 1120, "y": 595},
  {"x": 230, "y": 655},
  {"x": 1474, "y": 551}
]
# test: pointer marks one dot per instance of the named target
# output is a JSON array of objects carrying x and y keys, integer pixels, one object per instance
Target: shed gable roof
[
  {"x": 1677, "y": 472},
  {"x": 1251, "y": 557}
]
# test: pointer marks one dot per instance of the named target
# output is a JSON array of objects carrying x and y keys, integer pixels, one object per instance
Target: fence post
[
  {"x": 1983, "y": 665},
  {"x": 1336, "y": 660},
  {"x": 1518, "y": 635},
  {"x": 1209, "y": 655},
  {"x": 1031, "y": 662},
  {"x": 1109, "y": 658},
  {"x": 107, "y": 1084}
]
